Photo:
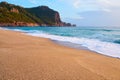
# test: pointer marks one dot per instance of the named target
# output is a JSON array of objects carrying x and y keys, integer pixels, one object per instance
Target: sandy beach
[{"x": 24, "y": 57}]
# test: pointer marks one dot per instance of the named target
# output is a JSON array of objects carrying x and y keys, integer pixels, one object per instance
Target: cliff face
[
  {"x": 12, "y": 15},
  {"x": 57, "y": 19},
  {"x": 14, "y": 10}
]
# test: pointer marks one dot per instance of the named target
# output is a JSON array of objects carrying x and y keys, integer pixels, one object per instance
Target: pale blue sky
[{"x": 81, "y": 12}]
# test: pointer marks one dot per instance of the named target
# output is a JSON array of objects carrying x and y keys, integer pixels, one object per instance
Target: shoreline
[
  {"x": 80, "y": 48},
  {"x": 61, "y": 43},
  {"x": 28, "y": 57},
  {"x": 96, "y": 45}
]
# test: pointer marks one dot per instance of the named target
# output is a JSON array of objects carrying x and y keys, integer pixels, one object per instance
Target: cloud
[
  {"x": 109, "y": 3},
  {"x": 75, "y": 18},
  {"x": 94, "y": 12},
  {"x": 93, "y": 5},
  {"x": 76, "y": 3}
]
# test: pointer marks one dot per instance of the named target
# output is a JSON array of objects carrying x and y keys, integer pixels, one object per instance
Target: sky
[{"x": 80, "y": 12}]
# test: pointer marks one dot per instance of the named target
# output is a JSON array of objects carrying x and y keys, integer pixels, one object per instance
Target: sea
[{"x": 102, "y": 40}]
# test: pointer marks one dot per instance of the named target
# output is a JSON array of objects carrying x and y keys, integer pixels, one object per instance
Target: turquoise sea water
[{"x": 99, "y": 39}]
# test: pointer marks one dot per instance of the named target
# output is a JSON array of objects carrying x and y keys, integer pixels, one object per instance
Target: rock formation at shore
[{"x": 12, "y": 15}]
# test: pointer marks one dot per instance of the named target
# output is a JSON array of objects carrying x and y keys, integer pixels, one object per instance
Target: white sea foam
[
  {"x": 106, "y": 48},
  {"x": 18, "y": 30},
  {"x": 3, "y": 28}
]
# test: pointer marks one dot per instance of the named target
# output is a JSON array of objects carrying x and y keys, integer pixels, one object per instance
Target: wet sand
[{"x": 24, "y": 57}]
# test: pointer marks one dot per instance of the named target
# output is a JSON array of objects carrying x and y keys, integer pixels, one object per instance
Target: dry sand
[{"x": 25, "y": 57}]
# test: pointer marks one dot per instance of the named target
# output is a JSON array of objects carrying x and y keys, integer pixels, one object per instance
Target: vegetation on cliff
[{"x": 10, "y": 13}]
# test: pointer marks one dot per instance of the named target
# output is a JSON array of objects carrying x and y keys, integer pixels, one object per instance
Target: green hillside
[{"x": 19, "y": 14}]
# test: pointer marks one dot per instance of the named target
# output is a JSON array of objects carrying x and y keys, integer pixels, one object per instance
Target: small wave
[
  {"x": 117, "y": 41},
  {"x": 19, "y": 30},
  {"x": 3, "y": 28},
  {"x": 106, "y": 48},
  {"x": 107, "y": 30},
  {"x": 12, "y": 29}
]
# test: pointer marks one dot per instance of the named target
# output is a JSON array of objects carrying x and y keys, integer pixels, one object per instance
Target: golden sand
[{"x": 24, "y": 57}]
